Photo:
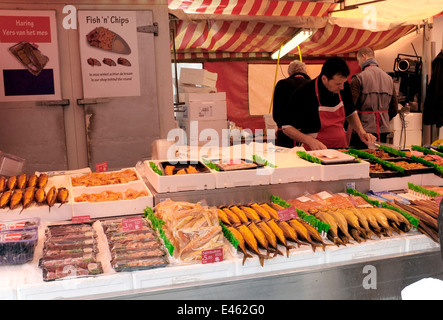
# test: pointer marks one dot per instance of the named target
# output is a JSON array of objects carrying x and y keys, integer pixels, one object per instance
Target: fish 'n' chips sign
[{"x": 109, "y": 53}]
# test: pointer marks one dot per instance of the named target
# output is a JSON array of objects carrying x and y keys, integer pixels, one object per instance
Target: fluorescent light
[{"x": 293, "y": 43}]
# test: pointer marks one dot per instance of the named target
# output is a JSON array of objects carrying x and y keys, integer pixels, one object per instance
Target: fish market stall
[{"x": 257, "y": 241}]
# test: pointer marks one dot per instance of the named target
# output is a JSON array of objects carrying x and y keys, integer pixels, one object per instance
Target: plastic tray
[{"x": 17, "y": 247}]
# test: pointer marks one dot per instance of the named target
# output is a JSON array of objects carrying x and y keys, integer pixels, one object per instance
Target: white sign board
[{"x": 109, "y": 53}]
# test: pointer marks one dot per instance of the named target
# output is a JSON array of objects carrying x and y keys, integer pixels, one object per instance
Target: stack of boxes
[
  {"x": 203, "y": 117},
  {"x": 412, "y": 129}
]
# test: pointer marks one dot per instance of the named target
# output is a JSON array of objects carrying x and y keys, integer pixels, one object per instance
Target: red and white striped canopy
[{"x": 217, "y": 29}]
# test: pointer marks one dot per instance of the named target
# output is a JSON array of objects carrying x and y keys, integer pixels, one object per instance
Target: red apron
[
  {"x": 332, "y": 119},
  {"x": 377, "y": 119}
]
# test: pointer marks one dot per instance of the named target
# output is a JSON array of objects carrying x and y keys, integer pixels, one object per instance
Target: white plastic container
[
  {"x": 186, "y": 182},
  {"x": 11, "y": 165},
  {"x": 113, "y": 207}
]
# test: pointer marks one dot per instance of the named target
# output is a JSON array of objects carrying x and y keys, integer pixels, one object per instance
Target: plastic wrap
[
  {"x": 70, "y": 250},
  {"x": 191, "y": 228},
  {"x": 133, "y": 244},
  {"x": 17, "y": 246}
]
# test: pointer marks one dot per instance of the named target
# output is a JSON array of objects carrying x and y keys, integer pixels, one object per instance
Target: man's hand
[
  {"x": 367, "y": 138},
  {"x": 315, "y": 144}
]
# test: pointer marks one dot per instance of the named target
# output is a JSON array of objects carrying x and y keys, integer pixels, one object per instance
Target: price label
[
  {"x": 101, "y": 167},
  {"x": 211, "y": 256},
  {"x": 287, "y": 213},
  {"x": 131, "y": 224},
  {"x": 81, "y": 219}
]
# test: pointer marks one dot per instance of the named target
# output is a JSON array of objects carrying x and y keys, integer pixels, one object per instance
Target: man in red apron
[
  {"x": 374, "y": 97},
  {"x": 320, "y": 109}
]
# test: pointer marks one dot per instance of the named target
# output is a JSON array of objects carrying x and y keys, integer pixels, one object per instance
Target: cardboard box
[
  {"x": 203, "y": 106},
  {"x": 201, "y": 132},
  {"x": 187, "y": 88},
  {"x": 202, "y": 77}
]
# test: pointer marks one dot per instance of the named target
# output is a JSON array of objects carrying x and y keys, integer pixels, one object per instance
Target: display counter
[
  {"x": 336, "y": 273},
  {"x": 378, "y": 268}
]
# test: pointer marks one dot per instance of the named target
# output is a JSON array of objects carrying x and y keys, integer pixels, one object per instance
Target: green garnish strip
[
  {"x": 370, "y": 156},
  {"x": 157, "y": 225},
  {"x": 155, "y": 168},
  {"x": 308, "y": 157},
  {"x": 422, "y": 190},
  {"x": 260, "y": 160}
]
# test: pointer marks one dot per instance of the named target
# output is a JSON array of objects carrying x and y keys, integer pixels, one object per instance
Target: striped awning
[{"x": 251, "y": 29}]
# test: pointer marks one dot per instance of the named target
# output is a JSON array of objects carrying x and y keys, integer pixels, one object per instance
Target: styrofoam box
[
  {"x": 57, "y": 212},
  {"x": 76, "y": 287},
  {"x": 419, "y": 242},
  {"x": 298, "y": 258},
  {"x": 181, "y": 274},
  {"x": 291, "y": 168},
  {"x": 162, "y": 184},
  {"x": 112, "y": 208},
  {"x": 239, "y": 178},
  {"x": 354, "y": 170},
  {"x": 198, "y": 77},
  {"x": 413, "y": 137},
  {"x": 394, "y": 183},
  {"x": 374, "y": 247},
  {"x": 413, "y": 121}
]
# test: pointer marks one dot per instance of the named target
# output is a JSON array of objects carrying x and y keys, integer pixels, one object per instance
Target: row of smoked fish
[
  {"x": 427, "y": 212},
  {"x": 24, "y": 190},
  {"x": 351, "y": 218},
  {"x": 257, "y": 226}
]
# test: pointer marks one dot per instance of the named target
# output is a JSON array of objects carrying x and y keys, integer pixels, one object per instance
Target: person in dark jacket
[
  {"x": 374, "y": 97},
  {"x": 433, "y": 106},
  {"x": 282, "y": 92}
]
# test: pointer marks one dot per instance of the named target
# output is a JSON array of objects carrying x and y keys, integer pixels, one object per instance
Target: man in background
[
  {"x": 374, "y": 97},
  {"x": 282, "y": 92}
]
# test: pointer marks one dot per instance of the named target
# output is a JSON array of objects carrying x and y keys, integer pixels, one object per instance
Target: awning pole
[{"x": 275, "y": 79}]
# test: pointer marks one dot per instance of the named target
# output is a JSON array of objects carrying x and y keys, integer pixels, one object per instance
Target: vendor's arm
[
  {"x": 354, "y": 121},
  {"x": 298, "y": 136}
]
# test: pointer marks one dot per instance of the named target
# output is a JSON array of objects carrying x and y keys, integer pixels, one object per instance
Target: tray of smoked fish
[
  {"x": 35, "y": 195},
  {"x": 70, "y": 251},
  {"x": 133, "y": 244}
]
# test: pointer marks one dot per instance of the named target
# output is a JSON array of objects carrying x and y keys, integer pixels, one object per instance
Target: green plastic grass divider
[
  {"x": 157, "y": 225},
  {"x": 309, "y": 218}
]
